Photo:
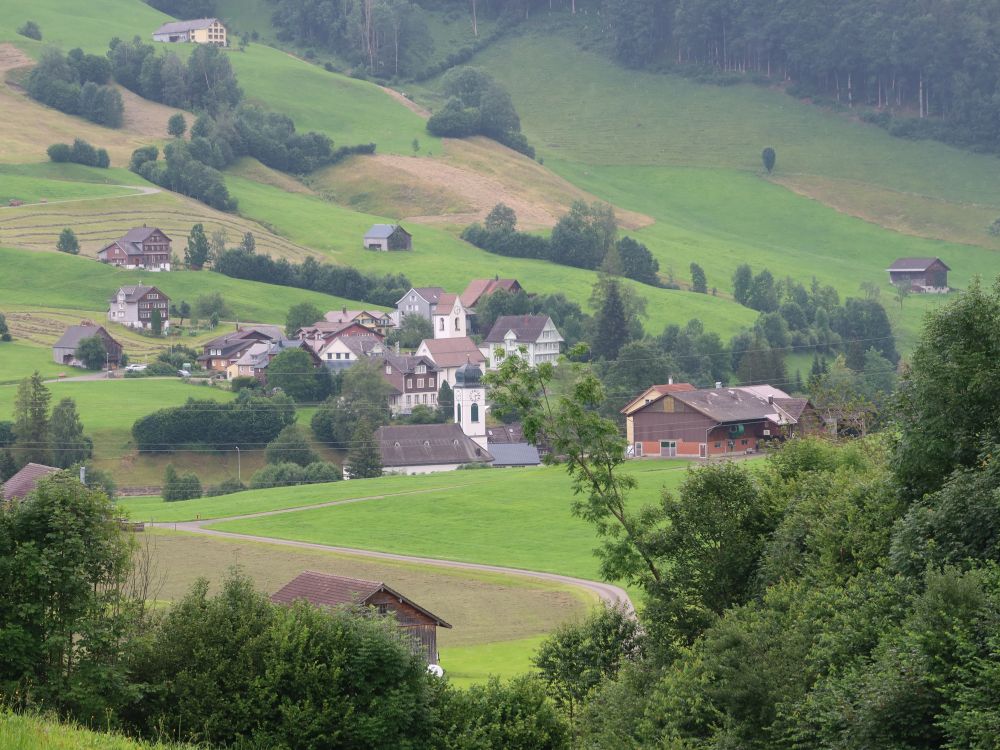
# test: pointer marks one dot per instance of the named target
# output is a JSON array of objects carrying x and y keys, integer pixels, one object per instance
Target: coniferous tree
[
  {"x": 31, "y": 422},
  {"x": 446, "y": 402},
  {"x": 67, "y": 242},
  {"x": 4, "y": 330},
  {"x": 156, "y": 321},
  {"x": 698, "y": 281},
  {"x": 69, "y": 444},
  {"x": 364, "y": 457},
  {"x": 610, "y": 322}
]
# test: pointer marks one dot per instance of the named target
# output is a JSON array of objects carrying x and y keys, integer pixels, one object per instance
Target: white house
[
  {"x": 450, "y": 354},
  {"x": 198, "y": 31},
  {"x": 536, "y": 333}
]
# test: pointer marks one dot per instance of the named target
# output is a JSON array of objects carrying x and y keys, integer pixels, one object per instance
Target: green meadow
[
  {"x": 512, "y": 517},
  {"x": 19, "y": 731},
  {"x": 18, "y": 359}
]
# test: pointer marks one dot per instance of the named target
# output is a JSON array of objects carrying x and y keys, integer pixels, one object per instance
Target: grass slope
[
  {"x": 18, "y": 359},
  {"x": 30, "y": 732},
  {"x": 74, "y": 283},
  {"x": 514, "y": 517}
]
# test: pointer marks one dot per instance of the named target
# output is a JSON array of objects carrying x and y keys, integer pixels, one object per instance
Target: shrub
[
  {"x": 60, "y": 152},
  {"x": 31, "y": 30},
  {"x": 180, "y": 486},
  {"x": 226, "y": 487},
  {"x": 80, "y": 152},
  {"x": 288, "y": 474}
]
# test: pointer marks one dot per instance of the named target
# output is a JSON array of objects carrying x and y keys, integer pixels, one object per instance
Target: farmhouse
[
  {"x": 64, "y": 350},
  {"x": 325, "y": 590},
  {"x": 388, "y": 237},
  {"x": 426, "y": 448},
  {"x": 341, "y": 352},
  {"x": 143, "y": 247},
  {"x": 479, "y": 289},
  {"x": 25, "y": 481},
  {"x": 374, "y": 319},
  {"x": 928, "y": 275},
  {"x": 223, "y": 353},
  {"x": 450, "y": 354},
  {"x": 678, "y": 420},
  {"x": 198, "y": 31},
  {"x": 537, "y": 333},
  {"x": 133, "y": 306}
]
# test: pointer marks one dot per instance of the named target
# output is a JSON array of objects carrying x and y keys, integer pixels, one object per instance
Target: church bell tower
[{"x": 470, "y": 403}]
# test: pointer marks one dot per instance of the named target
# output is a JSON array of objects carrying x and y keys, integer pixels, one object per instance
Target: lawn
[
  {"x": 29, "y": 732},
  {"x": 18, "y": 360},
  {"x": 33, "y": 189},
  {"x": 512, "y": 517},
  {"x": 479, "y": 644},
  {"x": 54, "y": 280},
  {"x": 90, "y": 25}
]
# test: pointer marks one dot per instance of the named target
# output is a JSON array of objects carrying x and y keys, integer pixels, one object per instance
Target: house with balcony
[
  {"x": 537, "y": 334},
  {"x": 134, "y": 306}
]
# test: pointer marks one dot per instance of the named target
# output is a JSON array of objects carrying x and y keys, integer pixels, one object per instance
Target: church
[{"x": 423, "y": 449}]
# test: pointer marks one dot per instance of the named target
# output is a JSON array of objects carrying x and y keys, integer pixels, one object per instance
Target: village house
[
  {"x": 420, "y": 300},
  {"x": 450, "y": 354},
  {"x": 449, "y": 317},
  {"x": 413, "y": 381},
  {"x": 219, "y": 353},
  {"x": 25, "y": 481},
  {"x": 926, "y": 275},
  {"x": 145, "y": 248},
  {"x": 325, "y": 590},
  {"x": 197, "y": 31},
  {"x": 378, "y": 321},
  {"x": 479, "y": 289},
  {"x": 133, "y": 306},
  {"x": 387, "y": 237},
  {"x": 253, "y": 361},
  {"x": 536, "y": 333},
  {"x": 678, "y": 420},
  {"x": 64, "y": 350},
  {"x": 341, "y": 352}
]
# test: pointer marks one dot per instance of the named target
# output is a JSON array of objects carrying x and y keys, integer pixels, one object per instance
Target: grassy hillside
[
  {"x": 54, "y": 280},
  {"x": 27, "y": 732}
]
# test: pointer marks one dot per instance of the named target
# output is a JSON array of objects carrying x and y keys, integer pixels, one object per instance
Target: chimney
[
  {"x": 770, "y": 399},
  {"x": 670, "y": 381}
]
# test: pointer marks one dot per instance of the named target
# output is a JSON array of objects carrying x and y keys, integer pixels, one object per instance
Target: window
[
  {"x": 430, "y": 382},
  {"x": 329, "y": 355},
  {"x": 440, "y": 324},
  {"x": 421, "y": 369},
  {"x": 458, "y": 325},
  {"x": 420, "y": 382},
  {"x": 409, "y": 382},
  {"x": 409, "y": 399},
  {"x": 474, "y": 413},
  {"x": 458, "y": 412},
  {"x": 744, "y": 442}
]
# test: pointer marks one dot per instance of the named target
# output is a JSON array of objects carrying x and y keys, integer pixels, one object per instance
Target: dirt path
[
  {"x": 407, "y": 102},
  {"x": 608, "y": 593},
  {"x": 140, "y": 190}
]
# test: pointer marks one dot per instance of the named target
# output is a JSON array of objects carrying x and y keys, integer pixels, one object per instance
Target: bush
[
  {"x": 180, "y": 486},
  {"x": 60, "y": 153},
  {"x": 31, "y": 30},
  {"x": 244, "y": 383},
  {"x": 227, "y": 487},
  {"x": 80, "y": 152},
  {"x": 288, "y": 474}
]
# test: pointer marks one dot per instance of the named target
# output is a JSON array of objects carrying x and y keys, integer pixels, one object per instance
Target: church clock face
[{"x": 475, "y": 396}]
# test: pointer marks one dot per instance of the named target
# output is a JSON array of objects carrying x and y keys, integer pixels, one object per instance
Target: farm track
[{"x": 608, "y": 593}]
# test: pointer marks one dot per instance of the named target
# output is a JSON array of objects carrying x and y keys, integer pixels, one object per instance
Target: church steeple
[{"x": 470, "y": 402}]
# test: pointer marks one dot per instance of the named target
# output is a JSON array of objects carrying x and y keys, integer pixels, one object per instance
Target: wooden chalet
[
  {"x": 388, "y": 237},
  {"x": 326, "y": 590},
  {"x": 144, "y": 247}
]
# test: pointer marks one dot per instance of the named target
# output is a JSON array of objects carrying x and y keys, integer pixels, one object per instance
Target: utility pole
[{"x": 239, "y": 474}]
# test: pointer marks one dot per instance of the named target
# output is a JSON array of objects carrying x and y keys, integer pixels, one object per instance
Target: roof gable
[
  {"x": 526, "y": 328},
  {"x": 916, "y": 264},
  {"x": 326, "y": 590},
  {"x": 25, "y": 480},
  {"x": 428, "y": 445},
  {"x": 176, "y": 27}
]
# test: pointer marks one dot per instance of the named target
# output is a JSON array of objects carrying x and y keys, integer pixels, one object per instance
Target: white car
[
  {"x": 135, "y": 368},
  {"x": 183, "y": 373}
]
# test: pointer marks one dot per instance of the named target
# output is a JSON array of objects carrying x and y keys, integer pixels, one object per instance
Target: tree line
[
  {"x": 341, "y": 281},
  {"x": 837, "y": 595},
  {"x": 77, "y": 84},
  {"x": 926, "y": 58},
  {"x": 586, "y": 237}
]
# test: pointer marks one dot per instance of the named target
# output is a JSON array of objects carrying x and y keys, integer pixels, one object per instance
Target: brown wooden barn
[
  {"x": 326, "y": 590},
  {"x": 920, "y": 274}
]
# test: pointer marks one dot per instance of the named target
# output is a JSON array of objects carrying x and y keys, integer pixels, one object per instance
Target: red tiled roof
[
  {"x": 453, "y": 352},
  {"x": 25, "y": 480}
]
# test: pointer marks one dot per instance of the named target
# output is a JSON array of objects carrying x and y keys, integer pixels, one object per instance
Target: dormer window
[{"x": 421, "y": 369}]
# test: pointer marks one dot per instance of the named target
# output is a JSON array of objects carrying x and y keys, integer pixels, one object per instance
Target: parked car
[
  {"x": 135, "y": 368},
  {"x": 183, "y": 373}
]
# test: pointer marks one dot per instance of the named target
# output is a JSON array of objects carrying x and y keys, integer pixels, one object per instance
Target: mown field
[
  {"x": 513, "y": 517},
  {"x": 478, "y": 645},
  {"x": 28, "y": 732}
]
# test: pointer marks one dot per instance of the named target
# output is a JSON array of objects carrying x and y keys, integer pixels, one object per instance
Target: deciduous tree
[
  {"x": 365, "y": 456},
  {"x": 69, "y": 444}
]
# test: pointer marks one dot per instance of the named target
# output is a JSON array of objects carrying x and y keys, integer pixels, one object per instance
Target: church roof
[{"x": 428, "y": 445}]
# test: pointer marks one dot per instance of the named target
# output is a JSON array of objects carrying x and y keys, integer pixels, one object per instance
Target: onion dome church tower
[{"x": 470, "y": 403}]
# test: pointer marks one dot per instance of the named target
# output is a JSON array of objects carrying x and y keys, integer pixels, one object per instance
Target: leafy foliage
[
  {"x": 31, "y": 30},
  {"x": 179, "y": 486},
  {"x": 75, "y": 84},
  {"x": 300, "y": 316},
  {"x": 290, "y": 446},
  {"x": 69, "y": 445},
  {"x": 80, "y": 152},
  {"x": 67, "y": 242},
  {"x": 410, "y": 332},
  {"x": 294, "y": 372},
  {"x": 365, "y": 456},
  {"x": 290, "y": 474}
]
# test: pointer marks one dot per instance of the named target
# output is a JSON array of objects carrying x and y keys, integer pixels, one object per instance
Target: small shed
[
  {"x": 920, "y": 274},
  {"x": 388, "y": 237},
  {"x": 326, "y": 590}
]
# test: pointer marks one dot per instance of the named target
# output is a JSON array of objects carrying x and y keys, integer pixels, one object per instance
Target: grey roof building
[
  {"x": 64, "y": 350},
  {"x": 514, "y": 454},
  {"x": 424, "y": 448},
  {"x": 388, "y": 237}
]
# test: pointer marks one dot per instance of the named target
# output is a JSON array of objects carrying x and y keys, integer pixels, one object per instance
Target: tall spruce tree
[
  {"x": 31, "y": 422},
  {"x": 364, "y": 457},
  {"x": 69, "y": 444},
  {"x": 610, "y": 322}
]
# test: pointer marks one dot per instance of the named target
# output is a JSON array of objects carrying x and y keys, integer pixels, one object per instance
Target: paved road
[{"x": 607, "y": 592}]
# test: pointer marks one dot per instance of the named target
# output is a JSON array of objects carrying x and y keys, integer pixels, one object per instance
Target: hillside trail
[
  {"x": 608, "y": 593},
  {"x": 140, "y": 190}
]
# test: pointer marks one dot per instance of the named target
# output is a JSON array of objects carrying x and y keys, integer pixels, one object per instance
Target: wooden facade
[{"x": 920, "y": 274}]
